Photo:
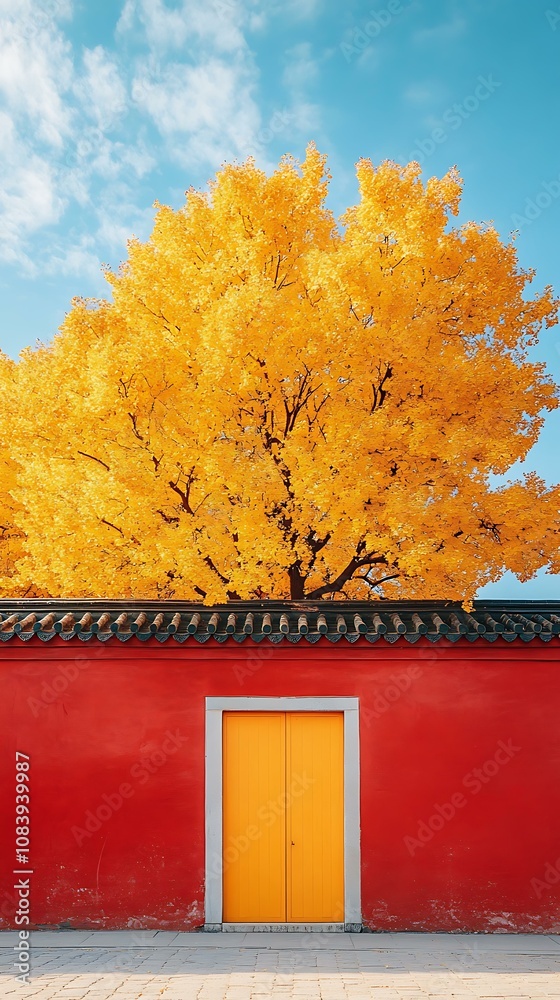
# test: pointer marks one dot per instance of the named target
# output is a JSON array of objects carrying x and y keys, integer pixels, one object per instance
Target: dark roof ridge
[{"x": 270, "y": 605}]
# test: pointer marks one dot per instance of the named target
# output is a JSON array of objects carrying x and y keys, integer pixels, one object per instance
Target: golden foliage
[
  {"x": 12, "y": 537},
  {"x": 273, "y": 407}
]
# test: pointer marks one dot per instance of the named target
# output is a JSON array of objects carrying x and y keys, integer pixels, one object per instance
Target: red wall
[{"x": 490, "y": 866}]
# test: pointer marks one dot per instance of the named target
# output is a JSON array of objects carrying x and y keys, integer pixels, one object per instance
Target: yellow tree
[
  {"x": 274, "y": 407},
  {"x": 12, "y": 538}
]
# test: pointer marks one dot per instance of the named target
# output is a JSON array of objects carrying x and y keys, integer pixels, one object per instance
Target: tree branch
[
  {"x": 109, "y": 525},
  {"x": 185, "y": 503},
  {"x": 167, "y": 518},
  {"x": 345, "y": 575},
  {"x": 377, "y": 583},
  {"x": 94, "y": 459}
]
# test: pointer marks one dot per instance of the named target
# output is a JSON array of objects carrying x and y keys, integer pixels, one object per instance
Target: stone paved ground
[{"x": 156, "y": 965}]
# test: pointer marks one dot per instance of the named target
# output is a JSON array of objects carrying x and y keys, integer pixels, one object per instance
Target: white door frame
[{"x": 214, "y": 863}]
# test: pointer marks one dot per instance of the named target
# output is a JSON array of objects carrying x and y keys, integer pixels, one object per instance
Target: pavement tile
[{"x": 162, "y": 965}]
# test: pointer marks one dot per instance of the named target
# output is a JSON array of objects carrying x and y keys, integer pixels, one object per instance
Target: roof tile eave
[{"x": 278, "y": 621}]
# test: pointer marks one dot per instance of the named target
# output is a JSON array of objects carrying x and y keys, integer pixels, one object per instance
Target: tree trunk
[{"x": 296, "y": 583}]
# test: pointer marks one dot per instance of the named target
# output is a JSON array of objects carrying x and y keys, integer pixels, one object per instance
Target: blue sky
[{"x": 106, "y": 107}]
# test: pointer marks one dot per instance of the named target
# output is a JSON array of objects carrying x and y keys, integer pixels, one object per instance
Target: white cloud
[
  {"x": 83, "y": 128},
  {"x": 75, "y": 259},
  {"x": 207, "y": 111},
  {"x": 197, "y": 81},
  {"x": 116, "y": 225},
  {"x": 36, "y": 71},
  {"x": 217, "y": 22},
  {"x": 139, "y": 158},
  {"x": 101, "y": 90},
  {"x": 55, "y": 152},
  {"x": 29, "y": 199},
  {"x": 204, "y": 104}
]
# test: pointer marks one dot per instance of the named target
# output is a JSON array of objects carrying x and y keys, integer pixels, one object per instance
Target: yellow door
[
  {"x": 254, "y": 834},
  {"x": 283, "y": 817},
  {"x": 315, "y": 818}
]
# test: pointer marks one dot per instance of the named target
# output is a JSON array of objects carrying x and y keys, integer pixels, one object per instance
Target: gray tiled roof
[{"x": 256, "y": 621}]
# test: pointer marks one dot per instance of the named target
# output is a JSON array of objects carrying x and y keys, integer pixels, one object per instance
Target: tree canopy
[{"x": 276, "y": 406}]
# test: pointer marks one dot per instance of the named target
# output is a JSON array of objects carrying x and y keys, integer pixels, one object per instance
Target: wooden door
[
  {"x": 315, "y": 818},
  {"x": 283, "y": 817}
]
